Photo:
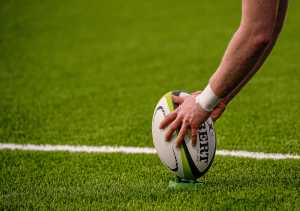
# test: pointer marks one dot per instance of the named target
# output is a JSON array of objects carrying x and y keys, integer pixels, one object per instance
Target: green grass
[
  {"x": 90, "y": 72},
  {"x": 86, "y": 181}
]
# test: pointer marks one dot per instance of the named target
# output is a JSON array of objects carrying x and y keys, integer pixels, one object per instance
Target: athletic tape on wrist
[{"x": 207, "y": 99}]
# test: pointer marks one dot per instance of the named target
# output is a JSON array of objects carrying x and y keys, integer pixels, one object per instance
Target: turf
[
  {"x": 84, "y": 181},
  {"x": 90, "y": 72}
]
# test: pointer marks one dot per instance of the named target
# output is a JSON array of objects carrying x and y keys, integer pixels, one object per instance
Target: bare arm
[
  {"x": 281, "y": 13},
  {"x": 247, "y": 46},
  {"x": 251, "y": 44}
]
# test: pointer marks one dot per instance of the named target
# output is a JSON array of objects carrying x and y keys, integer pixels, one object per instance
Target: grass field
[{"x": 90, "y": 73}]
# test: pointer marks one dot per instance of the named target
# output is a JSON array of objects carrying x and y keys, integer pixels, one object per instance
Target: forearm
[
  {"x": 281, "y": 14},
  {"x": 247, "y": 47},
  {"x": 240, "y": 57}
]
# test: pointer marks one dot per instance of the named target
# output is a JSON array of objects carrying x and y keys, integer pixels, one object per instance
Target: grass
[
  {"x": 91, "y": 73},
  {"x": 92, "y": 181},
  {"x": 76, "y": 72}
]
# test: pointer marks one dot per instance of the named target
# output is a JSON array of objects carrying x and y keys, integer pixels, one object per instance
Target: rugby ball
[{"x": 186, "y": 161}]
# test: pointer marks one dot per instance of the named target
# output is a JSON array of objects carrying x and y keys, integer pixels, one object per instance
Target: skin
[
  {"x": 281, "y": 14},
  {"x": 251, "y": 44}
]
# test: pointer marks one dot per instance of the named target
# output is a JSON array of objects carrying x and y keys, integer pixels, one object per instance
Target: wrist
[{"x": 207, "y": 99}]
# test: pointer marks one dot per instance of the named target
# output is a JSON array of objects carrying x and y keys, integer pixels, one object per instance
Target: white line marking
[
  {"x": 79, "y": 148},
  {"x": 257, "y": 155},
  {"x": 136, "y": 150}
]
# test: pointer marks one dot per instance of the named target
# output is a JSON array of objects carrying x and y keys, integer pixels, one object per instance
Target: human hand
[
  {"x": 189, "y": 115},
  {"x": 218, "y": 111},
  {"x": 215, "y": 114}
]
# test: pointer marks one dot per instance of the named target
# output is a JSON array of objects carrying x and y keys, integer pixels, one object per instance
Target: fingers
[
  {"x": 215, "y": 114},
  {"x": 177, "y": 99},
  {"x": 168, "y": 119},
  {"x": 218, "y": 111},
  {"x": 194, "y": 136},
  {"x": 181, "y": 134},
  {"x": 171, "y": 116},
  {"x": 173, "y": 127}
]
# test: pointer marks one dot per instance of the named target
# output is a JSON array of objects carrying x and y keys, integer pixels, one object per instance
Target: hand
[
  {"x": 215, "y": 114},
  {"x": 218, "y": 111},
  {"x": 188, "y": 115}
]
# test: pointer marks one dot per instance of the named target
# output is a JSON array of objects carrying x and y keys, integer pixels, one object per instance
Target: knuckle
[
  {"x": 183, "y": 130},
  {"x": 186, "y": 121},
  {"x": 174, "y": 126},
  {"x": 180, "y": 115}
]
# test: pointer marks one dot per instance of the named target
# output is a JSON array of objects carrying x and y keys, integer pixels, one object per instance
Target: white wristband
[{"x": 207, "y": 99}]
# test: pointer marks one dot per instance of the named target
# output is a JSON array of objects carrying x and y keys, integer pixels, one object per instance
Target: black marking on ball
[
  {"x": 176, "y": 168},
  {"x": 196, "y": 173},
  {"x": 160, "y": 108}
]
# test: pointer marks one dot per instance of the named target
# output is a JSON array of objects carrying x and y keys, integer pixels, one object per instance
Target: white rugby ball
[{"x": 186, "y": 161}]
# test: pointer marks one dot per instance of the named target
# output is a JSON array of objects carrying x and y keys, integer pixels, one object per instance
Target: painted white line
[
  {"x": 257, "y": 155},
  {"x": 79, "y": 148},
  {"x": 136, "y": 150}
]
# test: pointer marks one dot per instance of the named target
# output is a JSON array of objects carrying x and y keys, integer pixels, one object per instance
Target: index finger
[
  {"x": 181, "y": 134},
  {"x": 168, "y": 119}
]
